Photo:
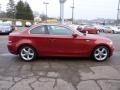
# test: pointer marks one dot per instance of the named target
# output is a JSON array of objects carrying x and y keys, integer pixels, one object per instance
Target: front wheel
[
  {"x": 101, "y": 53},
  {"x": 27, "y": 53}
]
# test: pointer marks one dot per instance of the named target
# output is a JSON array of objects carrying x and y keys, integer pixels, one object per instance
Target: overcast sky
[{"x": 84, "y": 9}]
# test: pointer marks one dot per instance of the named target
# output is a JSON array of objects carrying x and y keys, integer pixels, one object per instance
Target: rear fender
[{"x": 24, "y": 42}]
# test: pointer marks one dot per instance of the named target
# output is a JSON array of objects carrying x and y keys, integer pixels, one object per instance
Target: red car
[
  {"x": 58, "y": 40},
  {"x": 89, "y": 29}
]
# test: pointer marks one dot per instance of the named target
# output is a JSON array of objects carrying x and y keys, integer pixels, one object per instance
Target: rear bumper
[{"x": 12, "y": 49}]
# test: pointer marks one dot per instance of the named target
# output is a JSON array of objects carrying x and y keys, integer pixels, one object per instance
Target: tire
[
  {"x": 27, "y": 53},
  {"x": 100, "y": 53}
]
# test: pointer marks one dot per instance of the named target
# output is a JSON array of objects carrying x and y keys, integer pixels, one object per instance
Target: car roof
[{"x": 33, "y": 26}]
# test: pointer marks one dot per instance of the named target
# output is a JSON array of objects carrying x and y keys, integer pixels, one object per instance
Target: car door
[
  {"x": 39, "y": 37},
  {"x": 63, "y": 43}
]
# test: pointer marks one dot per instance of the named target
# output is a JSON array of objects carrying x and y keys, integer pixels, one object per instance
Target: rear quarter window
[{"x": 38, "y": 30}]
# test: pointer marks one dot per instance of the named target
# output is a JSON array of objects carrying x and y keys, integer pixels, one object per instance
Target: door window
[{"x": 59, "y": 30}]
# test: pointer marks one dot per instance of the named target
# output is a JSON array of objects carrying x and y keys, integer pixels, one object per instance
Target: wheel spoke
[
  {"x": 105, "y": 54},
  {"x": 103, "y": 50},
  {"x": 98, "y": 50},
  {"x": 29, "y": 49},
  {"x": 31, "y": 54},
  {"x": 25, "y": 50},
  {"x": 28, "y": 57},
  {"x": 97, "y": 54},
  {"x": 100, "y": 57},
  {"x": 23, "y": 55}
]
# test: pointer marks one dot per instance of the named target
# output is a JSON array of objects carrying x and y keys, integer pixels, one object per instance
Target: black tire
[
  {"x": 102, "y": 55},
  {"x": 27, "y": 53}
]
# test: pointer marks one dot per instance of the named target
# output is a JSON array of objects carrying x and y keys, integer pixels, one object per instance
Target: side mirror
[{"x": 75, "y": 35}]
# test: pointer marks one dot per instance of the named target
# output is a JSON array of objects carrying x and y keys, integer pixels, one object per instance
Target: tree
[
  {"x": 20, "y": 10},
  {"x": 11, "y": 9},
  {"x": 23, "y": 11},
  {"x": 2, "y": 14},
  {"x": 28, "y": 12}
]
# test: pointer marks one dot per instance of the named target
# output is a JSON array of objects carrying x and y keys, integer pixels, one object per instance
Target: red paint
[{"x": 57, "y": 45}]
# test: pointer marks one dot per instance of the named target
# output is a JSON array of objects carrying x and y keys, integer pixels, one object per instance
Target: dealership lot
[{"x": 59, "y": 73}]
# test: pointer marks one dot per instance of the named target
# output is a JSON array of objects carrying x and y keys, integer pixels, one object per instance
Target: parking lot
[{"x": 59, "y": 73}]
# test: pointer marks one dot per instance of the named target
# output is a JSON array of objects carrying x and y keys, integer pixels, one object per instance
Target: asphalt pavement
[{"x": 59, "y": 73}]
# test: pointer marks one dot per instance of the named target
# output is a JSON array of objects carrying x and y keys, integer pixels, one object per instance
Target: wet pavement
[{"x": 59, "y": 73}]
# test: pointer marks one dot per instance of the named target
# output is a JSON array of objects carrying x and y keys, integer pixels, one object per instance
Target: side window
[
  {"x": 38, "y": 30},
  {"x": 59, "y": 30}
]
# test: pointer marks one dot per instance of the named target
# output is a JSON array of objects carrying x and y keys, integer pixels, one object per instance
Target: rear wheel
[
  {"x": 101, "y": 53},
  {"x": 27, "y": 53}
]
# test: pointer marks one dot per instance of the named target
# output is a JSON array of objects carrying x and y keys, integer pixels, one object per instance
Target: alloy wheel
[
  {"x": 101, "y": 53},
  {"x": 27, "y": 53}
]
